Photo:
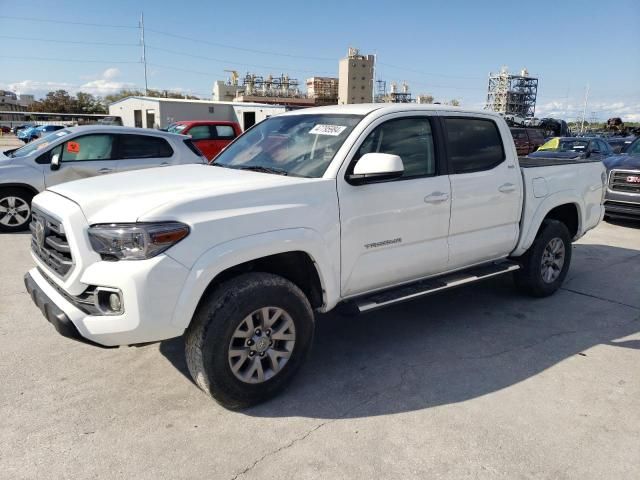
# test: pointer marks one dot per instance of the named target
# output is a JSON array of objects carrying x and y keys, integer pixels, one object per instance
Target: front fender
[
  {"x": 17, "y": 175},
  {"x": 531, "y": 221},
  {"x": 244, "y": 249}
]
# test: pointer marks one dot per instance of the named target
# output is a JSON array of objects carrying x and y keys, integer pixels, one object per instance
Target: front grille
[
  {"x": 625, "y": 181},
  {"x": 49, "y": 243},
  {"x": 623, "y": 207}
]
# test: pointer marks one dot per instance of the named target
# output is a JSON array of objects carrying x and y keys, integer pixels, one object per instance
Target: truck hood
[
  {"x": 624, "y": 161},
  {"x": 128, "y": 196}
]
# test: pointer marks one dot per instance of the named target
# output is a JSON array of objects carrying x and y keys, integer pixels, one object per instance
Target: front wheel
[
  {"x": 15, "y": 209},
  {"x": 545, "y": 265},
  {"x": 248, "y": 338}
]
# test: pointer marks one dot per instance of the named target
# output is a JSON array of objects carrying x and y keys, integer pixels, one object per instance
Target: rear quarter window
[{"x": 473, "y": 144}]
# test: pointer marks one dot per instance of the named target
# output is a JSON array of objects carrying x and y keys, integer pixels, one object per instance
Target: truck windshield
[
  {"x": 299, "y": 145},
  {"x": 39, "y": 144}
]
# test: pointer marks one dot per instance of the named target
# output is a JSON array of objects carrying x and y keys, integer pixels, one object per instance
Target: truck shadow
[{"x": 458, "y": 345}]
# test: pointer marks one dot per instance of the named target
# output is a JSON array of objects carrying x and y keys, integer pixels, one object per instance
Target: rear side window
[
  {"x": 519, "y": 134},
  {"x": 224, "y": 132},
  {"x": 143, "y": 146},
  {"x": 473, "y": 144}
]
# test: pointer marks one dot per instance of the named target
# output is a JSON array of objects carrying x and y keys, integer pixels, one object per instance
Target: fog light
[
  {"x": 115, "y": 304},
  {"x": 109, "y": 301}
]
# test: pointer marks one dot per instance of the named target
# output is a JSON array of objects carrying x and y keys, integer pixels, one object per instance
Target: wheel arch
[
  {"x": 295, "y": 254},
  {"x": 23, "y": 186},
  {"x": 564, "y": 206}
]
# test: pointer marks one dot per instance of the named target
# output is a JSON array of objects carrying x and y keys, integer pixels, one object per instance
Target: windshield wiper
[{"x": 258, "y": 168}]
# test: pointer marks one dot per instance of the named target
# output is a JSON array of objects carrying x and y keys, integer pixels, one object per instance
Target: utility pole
[
  {"x": 144, "y": 53},
  {"x": 584, "y": 110}
]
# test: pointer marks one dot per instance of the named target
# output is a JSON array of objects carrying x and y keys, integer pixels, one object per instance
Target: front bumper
[
  {"x": 54, "y": 315},
  {"x": 150, "y": 289},
  {"x": 622, "y": 204}
]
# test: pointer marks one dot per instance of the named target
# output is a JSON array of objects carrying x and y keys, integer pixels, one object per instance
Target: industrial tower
[{"x": 512, "y": 94}]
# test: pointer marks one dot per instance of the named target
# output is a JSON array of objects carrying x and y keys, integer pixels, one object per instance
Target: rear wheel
[
  {"x": 546, "y": 263},
  {"x": 248, "y": 338},
  {"x": 15, "y": 209}
]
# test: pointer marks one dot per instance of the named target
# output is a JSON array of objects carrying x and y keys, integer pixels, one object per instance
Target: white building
[{"x": 152, "y": 112}]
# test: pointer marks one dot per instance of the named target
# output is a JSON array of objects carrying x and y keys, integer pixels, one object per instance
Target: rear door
[
  {"x": 142, "y": 151},
  {"x": 486, "y": 189},
  {"x": 82, "y": 157},
  {"x": 223, "y": 135}
]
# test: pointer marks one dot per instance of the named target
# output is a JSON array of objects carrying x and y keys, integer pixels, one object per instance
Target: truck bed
[{"x": 526, "y": 162}]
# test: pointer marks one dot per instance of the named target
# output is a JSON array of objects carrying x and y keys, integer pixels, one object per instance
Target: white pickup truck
[{"x": 361, "y": 205}]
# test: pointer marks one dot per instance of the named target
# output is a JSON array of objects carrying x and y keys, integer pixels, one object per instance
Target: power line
[
  {"x": 234, "y": 47},
  {"x": 70, "y": 60},
  {"x": 77, "y": 42},
  {"x": 46, "y": 20},
  {"x": 231, "y": 62}
]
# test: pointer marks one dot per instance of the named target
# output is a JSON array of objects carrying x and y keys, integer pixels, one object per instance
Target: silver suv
[{"x": 81, "y": 152}]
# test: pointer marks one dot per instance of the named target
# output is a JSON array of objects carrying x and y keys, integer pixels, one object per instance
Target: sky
[{"x": 445, "y": 49}]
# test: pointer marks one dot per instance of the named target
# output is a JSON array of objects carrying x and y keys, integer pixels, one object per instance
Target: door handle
[
  {"x": 436, "y": 197},
  {"x": 105, "y": 170},
  {"x": 507, "y": 188},
  {"x": 165, "y": 164}
]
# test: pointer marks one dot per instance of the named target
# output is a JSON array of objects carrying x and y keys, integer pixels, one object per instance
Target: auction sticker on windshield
[{"x": 323, "y": 129}]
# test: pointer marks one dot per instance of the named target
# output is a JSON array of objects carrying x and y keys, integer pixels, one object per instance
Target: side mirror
[
  {"x": 55, "y": 161},
  {"x": 376, "y": 167}
]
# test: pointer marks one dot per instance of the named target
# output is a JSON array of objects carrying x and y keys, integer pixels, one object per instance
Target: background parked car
[
  {"x": 44, "y": 130},
  {"x": 16, "y": 128},
  {"x": 620, "y": 144},
  {"x": 80, "y": 152},
  {"x": 5, "y": 129},
  {"x": 209, "y": 136},
  {"x": 527, "y": 140},
  {"x": 27, "y": 134},
  {"x": 574, "y": 148},
  {"x": 622, "y": 198}
]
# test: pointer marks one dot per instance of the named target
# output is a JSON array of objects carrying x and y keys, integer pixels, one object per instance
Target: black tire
[
  {"x": 529, "y": 278},
  {"x": 219, "y": 315},
  {"x": 17, "y": 223}
]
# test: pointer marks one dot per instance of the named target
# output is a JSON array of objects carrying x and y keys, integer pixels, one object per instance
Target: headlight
[{"x": 135, "y": 241}]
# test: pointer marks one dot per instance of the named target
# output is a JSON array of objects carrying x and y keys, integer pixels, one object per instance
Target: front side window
[
  {"x": 634, "y": 149},
  {"x": 299, "y": 145},
  {"x": 473, "y": 144},
  {"x": 409, "y": 138},
  {"x": 88, "y": 147},
  {"x": 143, "y": 146},
  {"x": 200, "y": 132}
]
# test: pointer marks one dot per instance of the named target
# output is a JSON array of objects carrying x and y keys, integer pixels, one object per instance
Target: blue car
[{"x": 28, "y": 134}]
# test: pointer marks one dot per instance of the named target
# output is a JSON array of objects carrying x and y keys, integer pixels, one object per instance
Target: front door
[
  {"x": 82, "y": 157},
  {"x": 395, "y": 231},
  {"x": 486, "y": 189}
]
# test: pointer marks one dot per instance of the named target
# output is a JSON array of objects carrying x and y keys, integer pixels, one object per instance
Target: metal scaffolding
[{"x": 512, "y": 94}]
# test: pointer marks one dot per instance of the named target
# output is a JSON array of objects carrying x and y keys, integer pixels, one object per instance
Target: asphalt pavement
[{"x": 478, "y": 382}]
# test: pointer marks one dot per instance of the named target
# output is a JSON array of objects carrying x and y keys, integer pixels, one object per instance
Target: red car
[
  {"x": 527, "y": 140},
  {"x": 210, "y": 136}
]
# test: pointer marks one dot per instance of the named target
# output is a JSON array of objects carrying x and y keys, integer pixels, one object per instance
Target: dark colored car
[
  {"x": 620, "y": 144},
  {"x": 622, "y": 198},
  {"x": 574, "y": 148},
  {"x": 5, "y": 129},
  {"x": 210, "y": 136},
  {"x": 527, "y": 140}
]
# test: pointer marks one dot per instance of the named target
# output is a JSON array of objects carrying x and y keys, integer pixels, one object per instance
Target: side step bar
[{"x": 432, "y": 285}]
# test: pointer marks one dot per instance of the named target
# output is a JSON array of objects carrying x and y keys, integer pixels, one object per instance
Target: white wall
[{"x": 125, "y": 109}]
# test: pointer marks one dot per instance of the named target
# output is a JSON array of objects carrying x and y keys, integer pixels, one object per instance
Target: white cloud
[
  {"x": 572, "y": 109},
  {"x": 101, "y": 84}
]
